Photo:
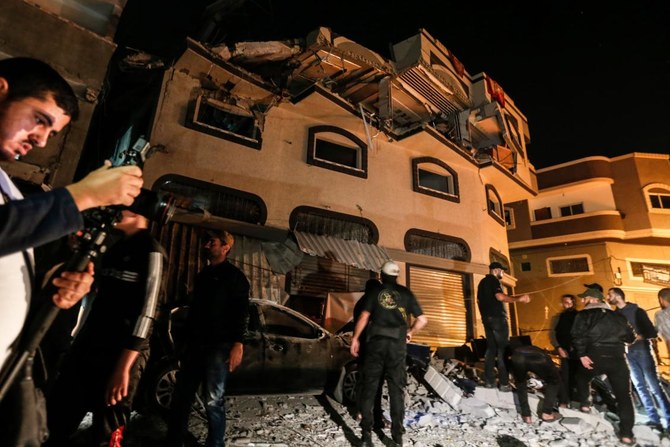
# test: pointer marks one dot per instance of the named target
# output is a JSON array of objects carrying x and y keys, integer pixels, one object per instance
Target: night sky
[{"x": 591, "y": 78}]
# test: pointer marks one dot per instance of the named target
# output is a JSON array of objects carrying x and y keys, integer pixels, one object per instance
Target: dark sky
[{"x": 591, "y": 77}]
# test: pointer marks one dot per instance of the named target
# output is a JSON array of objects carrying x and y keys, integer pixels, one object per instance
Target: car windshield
[{"x": 278, "y": 322}]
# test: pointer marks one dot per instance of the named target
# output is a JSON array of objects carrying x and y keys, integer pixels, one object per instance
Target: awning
[{"x": 354, "y": 253}]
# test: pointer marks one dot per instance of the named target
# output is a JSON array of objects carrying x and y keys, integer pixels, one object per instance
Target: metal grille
[
  {"x": 417, "y": 80},
  {"x": 441, "y": 295}
]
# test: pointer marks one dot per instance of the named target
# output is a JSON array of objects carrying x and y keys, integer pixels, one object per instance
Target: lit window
[
  {"x": 571, "y": 210},
  {"x": 336, "y": 149},
  {"x": 435, "y": 178},
  {"x": 494, "y": 205},
  {"x": 570, "y": 265},
  {"x": 224, "y": 120}
]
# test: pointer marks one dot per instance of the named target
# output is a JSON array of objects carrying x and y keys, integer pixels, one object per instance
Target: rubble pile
[{"x": 488, "y": 418}]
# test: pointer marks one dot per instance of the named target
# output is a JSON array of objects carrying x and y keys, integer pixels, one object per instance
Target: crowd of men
[{"x": 101, "y": 369}]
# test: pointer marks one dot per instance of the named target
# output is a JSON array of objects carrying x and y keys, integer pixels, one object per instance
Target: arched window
[
  {"x": 438, "y": 245},
  {"x": 494, "y": 205},
  {"x": 334, "y": 148},
  {"x": 657, "y": 196},
  {"x": 435, "y": 178}
]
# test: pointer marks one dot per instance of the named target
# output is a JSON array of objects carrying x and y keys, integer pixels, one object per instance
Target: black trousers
[
  {"x": 616, "y": 369},
  {"x": 80, "y": 388},
  {"x": 525, "y": 360},
  {"x": 385, "y": 358},
  {"x": 568, "y": 370}
]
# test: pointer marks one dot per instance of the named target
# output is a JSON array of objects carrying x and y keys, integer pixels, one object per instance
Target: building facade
[
  {"x": 597, "y": 219},
  {"x": 326, "y": 159}
]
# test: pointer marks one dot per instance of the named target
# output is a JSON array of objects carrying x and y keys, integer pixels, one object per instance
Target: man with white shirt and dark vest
[{"x": 385, "y": 319}]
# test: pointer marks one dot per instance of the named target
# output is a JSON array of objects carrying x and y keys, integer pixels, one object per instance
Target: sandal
[
  {"x": 585, "y": 409},
  {"x": 554, "y": 418},
  {"x": 625, "y": 440}
]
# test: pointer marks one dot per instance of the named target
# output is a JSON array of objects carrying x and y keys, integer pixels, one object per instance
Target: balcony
[{"x": 593, "y": 222}]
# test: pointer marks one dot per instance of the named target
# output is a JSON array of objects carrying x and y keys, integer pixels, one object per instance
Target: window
[
  {"x": 571, "y": 210},
  {"x": 324, "y": 222},
  {"x": 525, "y": 266},
  {"x": 279, "y": 322},
  {"x": 658, "y": 197},
  {"x": 435, "y": 178},
  {"x": 494, "y": 205},
  {"x": 224, "y": 120},
  {"x": 660, "y": 201},
  {"x": 569, "y": 265},
  {"x": 198, "y": 196},
  {"x": 509, "y": 218},
  {"x": 542, "y": 213},
  {"x": 438, "y": 245},
  {"x": 336, "y": 149}
]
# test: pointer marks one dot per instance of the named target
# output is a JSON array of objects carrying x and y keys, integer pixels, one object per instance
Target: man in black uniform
[
  {"x": 385, "y": 320},
  {"x": 216, "y": 325},
  {"x": 491, "y": 299},
  {"x": 563, "y": 344},
  {"x": 104, "y": 366},
  {"x": 599, "y": 337}
]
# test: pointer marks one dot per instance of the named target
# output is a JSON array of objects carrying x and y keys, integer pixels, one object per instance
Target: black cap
[
  {"x": 496, "y": 265},
  {"x": 594, "y": 285}
]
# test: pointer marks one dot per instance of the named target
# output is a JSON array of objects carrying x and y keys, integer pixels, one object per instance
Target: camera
[{"x": 98, "y": 222}]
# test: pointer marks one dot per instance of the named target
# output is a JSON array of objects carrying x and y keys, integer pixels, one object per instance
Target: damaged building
[
  {"x": 321, "y": 156},
  {"x": 325, "y": 159}
]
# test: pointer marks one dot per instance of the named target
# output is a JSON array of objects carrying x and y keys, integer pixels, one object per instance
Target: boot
[{"x": 116, "y": 437}]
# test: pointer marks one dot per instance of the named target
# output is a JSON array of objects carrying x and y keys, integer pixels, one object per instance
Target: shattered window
[
  {"x": 225, "y": 121},
  {"x": 278, "y": 322},
  {"x": 438, "y": 245}
]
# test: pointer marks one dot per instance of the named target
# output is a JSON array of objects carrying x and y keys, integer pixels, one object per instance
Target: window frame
[
  {"x": 570, "y": 207},
  {"x": 508, "y": 210},
  {"x": 535, "y": 219},
  {"x": 589, "y": 262},
  {"x": 438, "y": 237},
  {"x": 648, "y": 193},
  {"x": 193, "y": 123},
  {"x": 362, "y": 151},
  {"x": 498, "y": 217},
  {"x": 416, "y": 184}
]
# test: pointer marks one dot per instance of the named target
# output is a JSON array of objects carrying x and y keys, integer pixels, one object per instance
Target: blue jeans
[
  {"x": 645, "y": 379},
  {"x": 206, "y": 365},
  {"x": 497, "y": 340}
]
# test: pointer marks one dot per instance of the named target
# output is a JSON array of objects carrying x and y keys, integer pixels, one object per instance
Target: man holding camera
[{"x": 35, "y": 104}]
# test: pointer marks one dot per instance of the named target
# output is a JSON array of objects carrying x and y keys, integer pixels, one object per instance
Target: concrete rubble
[{"x": 489, "y": 418}]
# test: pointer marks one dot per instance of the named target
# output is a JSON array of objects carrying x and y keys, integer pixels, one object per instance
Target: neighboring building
[
  {"x": 75, "y": 37},
  {"x": 323, "y": 147},
  {"x": 594, "y": 220}
]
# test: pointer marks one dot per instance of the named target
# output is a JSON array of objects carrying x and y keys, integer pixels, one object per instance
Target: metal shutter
[{"x": 442, "y": 298}]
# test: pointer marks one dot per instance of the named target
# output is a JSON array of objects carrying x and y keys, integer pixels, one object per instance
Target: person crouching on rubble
[{"x": 533, "y": 359}]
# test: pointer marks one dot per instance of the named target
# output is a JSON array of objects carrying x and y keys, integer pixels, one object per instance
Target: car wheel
[
  {"x": 350, "y": 383},
  {"x": 161, "y": 387}
]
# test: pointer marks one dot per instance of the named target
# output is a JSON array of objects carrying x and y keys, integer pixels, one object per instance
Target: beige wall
[{"x": 279, "y": 174}]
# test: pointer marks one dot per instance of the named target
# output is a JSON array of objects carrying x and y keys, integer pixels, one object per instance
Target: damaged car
[{"x": 284, "y": 353}]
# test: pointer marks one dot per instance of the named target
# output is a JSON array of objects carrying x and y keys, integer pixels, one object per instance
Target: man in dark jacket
[
  {"x": 599, "y": 337},
  {"x": 103, "y": 369},
  {"x": 563, "y": 344},
  {"x": 491, "y": 300},
  {"x": 216, "y": 325},
  {"x": 643, "y": 371},
  {"x": 387, "y": 310}
]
